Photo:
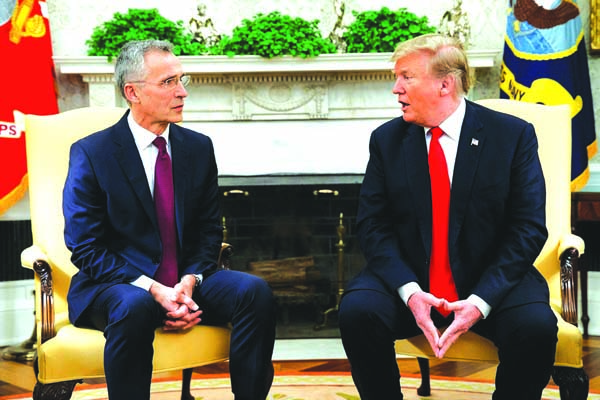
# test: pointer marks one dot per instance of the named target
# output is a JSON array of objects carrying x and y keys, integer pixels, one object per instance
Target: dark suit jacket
[
  {"x": 497, "y": 210},
  {"x": 110, "y": 221}
]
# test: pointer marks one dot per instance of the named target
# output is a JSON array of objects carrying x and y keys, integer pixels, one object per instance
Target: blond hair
[{"x": 448, "y": 57}]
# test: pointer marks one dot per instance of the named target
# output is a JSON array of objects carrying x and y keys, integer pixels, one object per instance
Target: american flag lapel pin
[{"x": 474, "y": 142}]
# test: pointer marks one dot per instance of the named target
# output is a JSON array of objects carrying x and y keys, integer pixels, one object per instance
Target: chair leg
[
  {"x": 425, "y": 388},
  {"x": 573, "y": 383},
  {"x": 51, "y": 391},
  {"x": 54, "y": 391},
  {"x": 186, "y": 381}
]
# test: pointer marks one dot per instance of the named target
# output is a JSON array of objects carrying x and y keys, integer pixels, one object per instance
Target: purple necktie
[{"x": 165, "y": 213}]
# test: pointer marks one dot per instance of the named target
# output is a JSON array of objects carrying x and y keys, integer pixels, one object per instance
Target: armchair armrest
[
  {"x": 34, "y": 258},
  {"x": 569, "y": 240},
  {"x": 569, "y": 250},
  {"x": 32, "y": 254}
]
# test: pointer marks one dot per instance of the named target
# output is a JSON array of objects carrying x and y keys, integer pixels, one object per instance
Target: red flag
[{"x": 27, "y": 86}]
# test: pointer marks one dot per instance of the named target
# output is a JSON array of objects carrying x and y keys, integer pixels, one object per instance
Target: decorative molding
[
  {"x": 202, "y": 65},
  {"x": 279, "y": 100}
]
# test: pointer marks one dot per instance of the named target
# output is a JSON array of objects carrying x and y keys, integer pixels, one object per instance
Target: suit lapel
[
  {"x": 417, "y": 167},
  {"x": 180, "y": 158},
  {"x": 128, "y": 157},
  {"x": 471, "y": 142}
]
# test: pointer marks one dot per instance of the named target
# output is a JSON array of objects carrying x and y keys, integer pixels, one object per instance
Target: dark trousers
[
  {"x": 370, "y": 321},
  {"x": 128, "y": 316}
]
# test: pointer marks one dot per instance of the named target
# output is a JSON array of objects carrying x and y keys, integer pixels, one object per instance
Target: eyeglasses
[{"x": 170, "y": 83}]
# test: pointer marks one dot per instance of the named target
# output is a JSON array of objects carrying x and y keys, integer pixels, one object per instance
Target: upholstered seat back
[
  {"x": 49, "y": 140},
  {"x": 553, "y": 128}
]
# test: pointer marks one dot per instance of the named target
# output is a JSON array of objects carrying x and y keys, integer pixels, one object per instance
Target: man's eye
[{"x": 169, "y": 82}]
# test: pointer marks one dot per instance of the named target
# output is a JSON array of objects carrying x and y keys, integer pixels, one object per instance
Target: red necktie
[
  {"x": 165, "y": 213},
  {"x": 441, "y": 283}
]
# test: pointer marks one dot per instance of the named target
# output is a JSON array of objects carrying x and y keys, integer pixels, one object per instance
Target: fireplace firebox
[{"x": 301, "y": 239}]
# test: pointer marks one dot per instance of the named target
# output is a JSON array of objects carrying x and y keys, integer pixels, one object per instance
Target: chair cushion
[
  {"x": 472, "y": 347},
  {"x": 77, "y": 353}
]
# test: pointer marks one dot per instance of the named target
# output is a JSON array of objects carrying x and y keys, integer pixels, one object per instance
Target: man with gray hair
[{"x": 142, "y": 222}]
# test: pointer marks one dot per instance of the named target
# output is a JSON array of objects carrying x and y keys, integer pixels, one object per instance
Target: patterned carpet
[{"x": 309, "y": 387}]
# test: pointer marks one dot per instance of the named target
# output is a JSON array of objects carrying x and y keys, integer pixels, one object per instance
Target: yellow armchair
[
  {"x": 66, "y": 355},
  {"x": 556, "y": 261}
]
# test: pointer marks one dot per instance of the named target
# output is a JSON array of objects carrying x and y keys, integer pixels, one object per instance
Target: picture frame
[{"x": 595, "y": 26}]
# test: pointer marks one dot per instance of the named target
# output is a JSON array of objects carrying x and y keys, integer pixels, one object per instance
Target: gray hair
[
  {"x": 130, "y": 62},
  {"x": 448, "y": 57}
]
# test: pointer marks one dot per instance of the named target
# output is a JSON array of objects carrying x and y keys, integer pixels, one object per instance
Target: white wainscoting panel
[{"x": 16, "y": 311}]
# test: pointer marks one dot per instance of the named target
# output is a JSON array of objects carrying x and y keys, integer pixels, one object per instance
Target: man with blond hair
[{"x": 451, "y": 218}]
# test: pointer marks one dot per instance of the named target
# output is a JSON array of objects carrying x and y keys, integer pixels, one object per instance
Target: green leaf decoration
[{"x": 381, "y": 31}]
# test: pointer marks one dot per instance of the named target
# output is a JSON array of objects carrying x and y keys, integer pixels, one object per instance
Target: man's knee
[
  {"x": 257, "y": 291},
  {"x": 355, "y": 311},
  {"x": 533, "y": 330},
  {"x": 540, "y": 324}
]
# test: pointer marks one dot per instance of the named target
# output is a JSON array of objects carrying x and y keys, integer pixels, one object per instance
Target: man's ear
[
  {"x": 131, "y": 93},
  {"x": 447, "y": 85}
]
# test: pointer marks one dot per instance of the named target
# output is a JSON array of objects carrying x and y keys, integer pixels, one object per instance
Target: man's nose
[
  {"x": 398, "y": 87},
  {"x": 181, "y": 91}
]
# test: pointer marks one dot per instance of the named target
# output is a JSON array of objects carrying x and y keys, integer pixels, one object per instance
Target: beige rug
[{"x": 313, "y": 387}]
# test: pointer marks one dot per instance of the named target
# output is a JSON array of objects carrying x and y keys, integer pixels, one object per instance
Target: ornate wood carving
[
  {"x": 573, "y": 383},
  {"x": 54, "y": 391},
  {"x": 44, "y": 272},
  {"x": 568, "y": 264}
]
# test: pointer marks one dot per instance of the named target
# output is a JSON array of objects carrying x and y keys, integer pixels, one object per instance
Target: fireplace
[{"x": 301, "y": 239}]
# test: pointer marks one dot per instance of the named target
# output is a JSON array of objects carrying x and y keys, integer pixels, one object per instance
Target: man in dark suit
[
  {"x": 494, "y": 230},
  {"x": 121, "y": 249}
]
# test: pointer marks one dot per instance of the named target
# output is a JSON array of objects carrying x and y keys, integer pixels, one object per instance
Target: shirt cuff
[
  {"x": 478, "y": 302},
  {"x": 407, "y": 290},
  {"x": 143, "y": 282}
]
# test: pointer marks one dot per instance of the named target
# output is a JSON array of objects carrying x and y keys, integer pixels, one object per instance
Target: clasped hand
[
  {"x": 181, "y": 311},
  {"x": 465, "y": 316}
]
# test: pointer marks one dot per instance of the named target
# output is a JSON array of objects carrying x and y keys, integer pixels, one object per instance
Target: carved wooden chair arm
[
  {"x": 35, "y": 259},
  {"x": 570, "y": 248},
  {"x": 44, "y": 273},
  {"x": 225, "y": 256},
  {"x": 568, "y": 275}
]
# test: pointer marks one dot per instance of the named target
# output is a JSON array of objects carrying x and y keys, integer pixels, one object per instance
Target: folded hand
[{"x": 181, "y": 310}]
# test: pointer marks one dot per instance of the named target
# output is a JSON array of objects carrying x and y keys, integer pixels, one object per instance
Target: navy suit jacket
[
  {"x": 110, "y": 221},
  {"x": 497, "y": 210}
]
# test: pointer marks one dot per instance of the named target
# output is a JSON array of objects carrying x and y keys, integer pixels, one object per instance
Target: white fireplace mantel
[
  {"x": 282, "y": 117},
  {"x": 98, "y": 72}
]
